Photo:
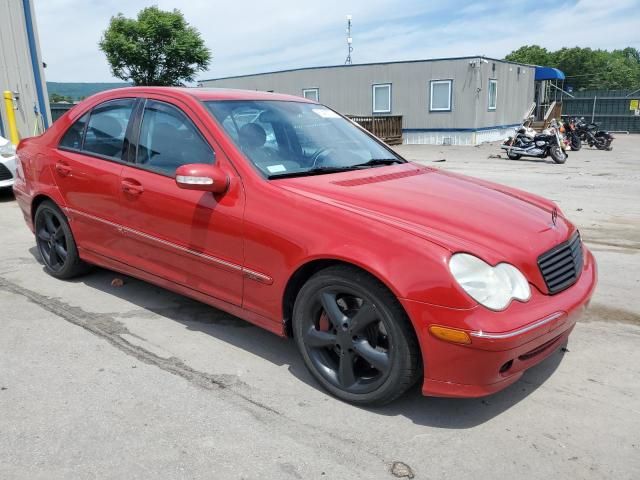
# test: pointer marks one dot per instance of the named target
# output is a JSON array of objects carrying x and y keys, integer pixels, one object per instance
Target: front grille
[
  {"x": 561, "y": 266},
  {"x": 5, "y": 174}
]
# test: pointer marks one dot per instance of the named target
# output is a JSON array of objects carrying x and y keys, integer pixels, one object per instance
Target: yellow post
[{"x": 11, "y": 117}]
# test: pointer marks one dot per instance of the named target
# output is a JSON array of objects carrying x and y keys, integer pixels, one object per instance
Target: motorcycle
[
  {"x": 528, "y": 143},
  {"x": 589, "y": 132},
  {"x": 571, "y": 137}
]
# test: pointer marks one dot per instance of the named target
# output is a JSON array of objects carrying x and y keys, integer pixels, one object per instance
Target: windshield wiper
[
  {"x": 378, "y": 161},
  {"x": 313, "y": 171},
  {"x": 321, "y": 170}
]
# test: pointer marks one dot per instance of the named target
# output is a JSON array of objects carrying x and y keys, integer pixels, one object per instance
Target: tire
[
  {"x": 367, "y": 359},
  {"x": 557, "y": 154},
  {"x": 576, "y": 143},
  {"x": 514, "y": 156},
  {"x": 56, "y": 244},
  {"x": 601, "y": 143}
]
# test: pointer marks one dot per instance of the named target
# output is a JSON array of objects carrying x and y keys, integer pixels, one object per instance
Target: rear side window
[
  {"x": 73, "y": 138},
  {"x": 168, "y": 139},
  {"x": 105, "y": 133}
]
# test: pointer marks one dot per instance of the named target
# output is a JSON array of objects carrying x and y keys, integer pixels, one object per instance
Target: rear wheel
[
  {"x": 576, "y": 143},
  {"x": 355, "y": 337},
  {"x": 557, "y": 154},
  {"x": 56, "y": 244}
]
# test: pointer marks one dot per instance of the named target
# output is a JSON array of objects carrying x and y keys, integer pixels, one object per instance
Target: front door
[
  {"x": 87, "y": 167},
  {"x": 189, "y": 237}
]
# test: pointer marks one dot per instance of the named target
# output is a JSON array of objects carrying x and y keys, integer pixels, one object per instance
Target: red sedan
[{"x": 284, "y": 213}]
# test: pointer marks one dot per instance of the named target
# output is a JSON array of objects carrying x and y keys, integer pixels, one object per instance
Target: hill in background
[{"x": 78, "y": 91}]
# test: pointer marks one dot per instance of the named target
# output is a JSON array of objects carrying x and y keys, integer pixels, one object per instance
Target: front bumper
[
  {"x": 7, "y": 171},
  {"x": 497, "y": 356}
]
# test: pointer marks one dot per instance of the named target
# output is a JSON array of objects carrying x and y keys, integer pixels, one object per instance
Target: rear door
[
  {"x": 189, "y": 237},
  {"x": 87, "y": 164}
]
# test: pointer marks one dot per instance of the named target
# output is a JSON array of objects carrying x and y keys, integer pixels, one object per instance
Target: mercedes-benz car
[{"x": 283, "y": 212}]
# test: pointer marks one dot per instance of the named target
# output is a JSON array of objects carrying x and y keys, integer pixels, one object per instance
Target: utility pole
[{"x": 349, "y": 41}]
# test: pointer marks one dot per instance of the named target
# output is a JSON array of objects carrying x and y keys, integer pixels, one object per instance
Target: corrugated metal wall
[
  {"x": 16, "y": 72},
  {"x": 348, "y": 89}
]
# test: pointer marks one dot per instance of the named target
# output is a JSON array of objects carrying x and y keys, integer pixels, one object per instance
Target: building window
[
  {"x": 493, "y": 94},
  {"x": 440, "y": 98},
  {"x": 311, "y": 94},
  {"x": 382, "y": 98}
]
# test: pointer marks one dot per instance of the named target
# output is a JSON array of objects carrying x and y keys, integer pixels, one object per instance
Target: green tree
[
  {"x": 157, "y": 48},
  {"x": 587, "y": 69},
  {"x": 57, "y": 98},
  {"x": 531, "y": 54}
]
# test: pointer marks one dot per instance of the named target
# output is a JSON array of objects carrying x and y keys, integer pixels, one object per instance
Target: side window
[
  {"x": 493, "y": 94},
  {"x": 168, "y": 139},
  {"x": 440, "y": 96},
  {"x": 107, "y": 127},
  {"x": 311, "y": 94},
  {"x": 73, "y": 138},
  {"x": 382, "y": 98}
]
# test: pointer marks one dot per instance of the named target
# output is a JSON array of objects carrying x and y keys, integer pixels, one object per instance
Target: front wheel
[
  {"x": 602, "y": 143},
  {"x": 355, "y": 337},
  {"x": 56, "y": 244},
  {"x": 557, "y": 154}
]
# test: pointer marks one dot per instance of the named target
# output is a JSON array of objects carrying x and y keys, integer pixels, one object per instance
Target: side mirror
[{"x": 203, "y": 177}]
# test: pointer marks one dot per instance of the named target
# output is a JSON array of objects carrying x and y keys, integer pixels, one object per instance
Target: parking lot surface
[{"x": 101, "y": 381}]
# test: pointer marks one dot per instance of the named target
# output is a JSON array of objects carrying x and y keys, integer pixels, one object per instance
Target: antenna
[{"x": 349, "y": 41}]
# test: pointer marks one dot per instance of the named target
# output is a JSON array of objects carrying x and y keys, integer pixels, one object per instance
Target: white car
[{"x": 7, "y": 163}]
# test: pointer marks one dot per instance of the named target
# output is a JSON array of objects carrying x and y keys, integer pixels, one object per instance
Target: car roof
[{"x": 205, "y": 94}]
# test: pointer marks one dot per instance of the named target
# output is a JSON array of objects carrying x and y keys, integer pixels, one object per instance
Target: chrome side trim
[
  {"x": 248, "y": 273},
  {"x": 257, "y": 276},
  {"x": 520, "y": 331}
]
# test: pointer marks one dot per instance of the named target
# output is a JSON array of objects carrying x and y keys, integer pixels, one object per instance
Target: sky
[{"x": 250, "y": 36}]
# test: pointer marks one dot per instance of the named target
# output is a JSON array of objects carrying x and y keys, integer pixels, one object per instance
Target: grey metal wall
[
  {"x": 348, "y": 89},
  {"x": 16, "y": 72}
]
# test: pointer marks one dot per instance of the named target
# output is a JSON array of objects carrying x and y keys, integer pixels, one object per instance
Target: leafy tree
[
  {"x": 57, "y": 98},
  {"x": 531, "y": 54},
  {"x": 587, "y": 69},
  {"x": 157, "y": 48}
]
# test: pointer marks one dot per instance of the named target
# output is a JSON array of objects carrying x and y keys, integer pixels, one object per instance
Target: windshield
[{"x": 284, "y": 139}]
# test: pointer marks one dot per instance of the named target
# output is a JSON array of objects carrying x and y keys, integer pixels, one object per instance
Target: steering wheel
[{"x": 321, "y": 153}]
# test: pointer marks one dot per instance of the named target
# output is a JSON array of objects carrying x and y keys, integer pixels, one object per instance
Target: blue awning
[{"x": 549, "y": 73}]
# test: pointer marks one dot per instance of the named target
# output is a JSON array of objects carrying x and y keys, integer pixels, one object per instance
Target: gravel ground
[{"x": 137, "y": 382}]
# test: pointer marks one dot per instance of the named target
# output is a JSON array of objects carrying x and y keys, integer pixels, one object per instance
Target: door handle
[
  {"x": 132, "y": 187},
  {"x": 63, "y": 169}
]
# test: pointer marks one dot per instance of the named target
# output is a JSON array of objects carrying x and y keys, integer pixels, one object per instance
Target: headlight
[
  {"x": 493, "y": 287},
  {"x": 7, "y": 150}
]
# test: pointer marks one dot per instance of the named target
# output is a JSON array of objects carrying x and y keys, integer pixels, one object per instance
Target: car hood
[{"x": 460, "y": 213}]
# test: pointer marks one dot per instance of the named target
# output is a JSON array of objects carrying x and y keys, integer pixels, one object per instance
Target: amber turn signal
[{"x": 450, "y": 334}]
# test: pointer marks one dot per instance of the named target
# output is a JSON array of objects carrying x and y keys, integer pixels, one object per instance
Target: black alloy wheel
[
  {"x": 56, "y": 243},
  {"x": 355, "y": 337}
]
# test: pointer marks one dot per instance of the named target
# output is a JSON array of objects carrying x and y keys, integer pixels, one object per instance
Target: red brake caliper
[{"x": 323, "y": 324}]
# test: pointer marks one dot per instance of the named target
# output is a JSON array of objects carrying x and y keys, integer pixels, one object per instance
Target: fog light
[{"x": 450, "y": 334}]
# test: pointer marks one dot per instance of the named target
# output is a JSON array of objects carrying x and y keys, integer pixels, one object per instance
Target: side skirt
[{"x": 251, "y": 317}]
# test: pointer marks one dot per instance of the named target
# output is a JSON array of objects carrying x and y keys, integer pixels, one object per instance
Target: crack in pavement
[{"x": 105, "y": 326}]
